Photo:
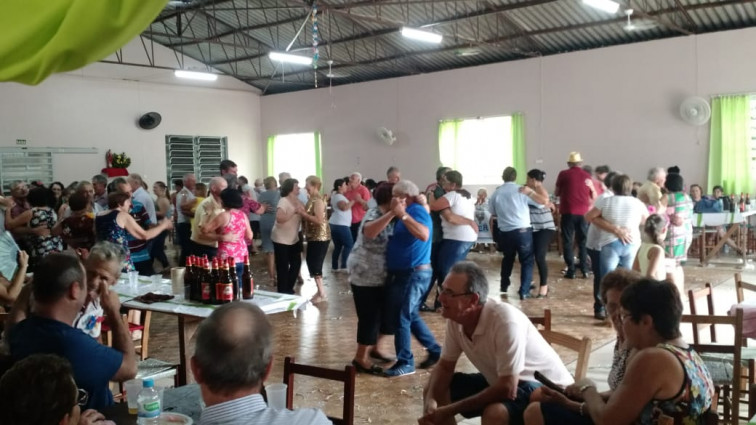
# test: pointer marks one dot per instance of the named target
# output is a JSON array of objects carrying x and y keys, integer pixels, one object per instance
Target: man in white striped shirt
[{"x": 232, "y": 359}]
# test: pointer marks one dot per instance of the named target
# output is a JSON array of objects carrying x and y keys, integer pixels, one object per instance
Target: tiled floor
[{"x": 324, "y": 335}]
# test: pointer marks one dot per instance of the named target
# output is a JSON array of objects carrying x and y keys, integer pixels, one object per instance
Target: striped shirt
[
  {"x": 252, "y": 410},
  {"x": 541, "y": 218},
  {"x": 622, "y": 211}
]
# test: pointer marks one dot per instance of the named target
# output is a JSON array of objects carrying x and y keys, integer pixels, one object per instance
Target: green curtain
[
  {"x": 729, "y": 144},
  {"x": 447, "y": 142},
  {"x": 518, "y": 147},
  {"x": 271, "y": 147},
  {"x": 318, "y": 157},
  {"x": 41, "y": 37}
]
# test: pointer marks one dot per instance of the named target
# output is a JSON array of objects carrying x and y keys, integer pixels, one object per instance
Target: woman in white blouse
[
  {"x": 340, "y": 222},
  {"x": 287, "y": 247}
]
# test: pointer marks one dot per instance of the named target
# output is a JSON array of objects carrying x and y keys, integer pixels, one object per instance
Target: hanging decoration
[{"x": 315, "y": 37}]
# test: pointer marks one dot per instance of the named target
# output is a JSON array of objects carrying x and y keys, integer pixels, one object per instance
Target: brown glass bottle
[
  {"x": 207, "y": 283},
  {"x": 224, "y": 291},
  {"x": 248, "y": 284},
  {"x": 234, "y": 277},
  {"x": 188, "y": 277}
]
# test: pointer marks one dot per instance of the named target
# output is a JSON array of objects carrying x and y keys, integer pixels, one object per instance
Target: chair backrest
[
  {"x": 706, "y": 292},
  {"x": 347, "y": 376},
  {"x": 544, "y": 321},
  {"x": 741, "y": 287},
  {"x": 582, "y": 346},
  {"x": 733, "y": 349}
]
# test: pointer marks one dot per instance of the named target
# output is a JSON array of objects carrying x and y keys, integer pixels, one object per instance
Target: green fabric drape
[
  {"x": 318, "y": 157},
  {"x": 270, "y": 152},
  {"x": 518, "y": 147},
  {"x": 729, "y": 144},
  {"x": 41, "y": 37},
  {"x": 447, "y": 142}
]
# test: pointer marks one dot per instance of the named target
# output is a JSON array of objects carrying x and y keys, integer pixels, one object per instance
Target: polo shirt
[
  {"x": 138, "y": 247},
  {"x": 505, "y": 343},
  {"x": 405, "y": 251},
  {"x": 93, "y": 364},
  {"x": 252, "y": 410},
  {"x": 510, "y": 207},
  {"x": 140, "y": 195},
  {"x": 574, "y": 195},
  {"x": 357, "y": 210}
]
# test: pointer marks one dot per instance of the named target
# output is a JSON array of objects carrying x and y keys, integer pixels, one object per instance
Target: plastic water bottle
[{"x": 148, "y": 402}]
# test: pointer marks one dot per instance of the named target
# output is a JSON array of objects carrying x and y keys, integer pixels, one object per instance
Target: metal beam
[
  {"x": 686, "y": 15},
  {"x": 236, "y": 30},
  {"x": 189, "y": 8}
]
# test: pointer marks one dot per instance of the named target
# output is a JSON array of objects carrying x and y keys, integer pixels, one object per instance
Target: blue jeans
[
  {"x": 449, "y": 253},
  {"x": 342, "y": 245},
  {"x": 404, "y": 290},
  {"x": 617, "y": 254},
  {"x": 517, "y": 242}
]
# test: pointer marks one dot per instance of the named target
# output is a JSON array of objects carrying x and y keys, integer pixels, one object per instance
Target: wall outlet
[{"x": 21, "y": 142}]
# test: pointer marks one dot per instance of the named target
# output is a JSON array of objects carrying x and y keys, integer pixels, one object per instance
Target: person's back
[{"x": 573, "y": 191}]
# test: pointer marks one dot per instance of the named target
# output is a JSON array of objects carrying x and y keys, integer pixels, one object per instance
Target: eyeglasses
[
  {"x": 450, "y": 294},
  {"x": 82, "y": 397}
]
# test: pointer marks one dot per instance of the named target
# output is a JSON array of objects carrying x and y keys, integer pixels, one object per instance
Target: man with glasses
[{"x": 500, "y": 341}]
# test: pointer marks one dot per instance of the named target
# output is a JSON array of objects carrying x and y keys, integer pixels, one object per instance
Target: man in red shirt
[
  {"x": 360, "y": 195},
  {"x": 576, "y": 193}
]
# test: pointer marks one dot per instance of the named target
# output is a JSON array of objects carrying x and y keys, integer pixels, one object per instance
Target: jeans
[
  {"x": 435, "y": 247},
  {"x": 288, "y": 262},
  {"x": 617, "y": 254},
  {"x": 517, "y": 242},
  {"x": 342, "y": 245},
  {"x": 403, "y": 292},
  {"x": 541, "y": 241},
  {"x": 574, "y": 226},
  {"x": 598, "y": 303},
  {"x": 158, "y": 249},
  {"x": 449, "y": 253}
]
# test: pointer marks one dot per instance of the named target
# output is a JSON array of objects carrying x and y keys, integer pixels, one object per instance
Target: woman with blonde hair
[
  {"x": 317, "y": 232},
  {"x": 269, "y": 198}
]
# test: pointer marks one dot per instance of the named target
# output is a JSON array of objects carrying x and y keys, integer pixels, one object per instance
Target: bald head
[{"x": 217, "y": 184}]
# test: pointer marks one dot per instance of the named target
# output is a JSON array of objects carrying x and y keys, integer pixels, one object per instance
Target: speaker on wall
[{"x": 149, "y": 120}]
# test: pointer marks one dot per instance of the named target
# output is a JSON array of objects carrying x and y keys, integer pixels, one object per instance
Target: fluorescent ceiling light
[
  {"x": 193, "y": 75},
  {"x": 289, "y": 58},
  {"x": 427, "y": 36},
  {"x": 608, "y": 6}
]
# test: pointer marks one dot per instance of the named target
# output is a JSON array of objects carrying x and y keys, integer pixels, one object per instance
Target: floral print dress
[
  {"x": 107, "y": 229},
  {"x": 44, "y": 217},
  {"x": 237, "y": 226}
]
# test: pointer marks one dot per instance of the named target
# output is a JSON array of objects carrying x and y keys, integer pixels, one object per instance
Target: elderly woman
[
  {"x": 340, "y": 221},
  {"x": 680, "y": 231},
  {"x": 563, "y": 411},
  {"x": 665, "y": 376},
  {"x": 409, "y": 274},
  {"x": 544, "y": 229},
  {"x": 233, "y": 223},
  {"x": 367, "y": 276},
  {"x": 287, "y": 247},
  {"x": 269, "y": 198},
  {"x": 317, "y": 232},
  {"x": 618, "y": 218}
]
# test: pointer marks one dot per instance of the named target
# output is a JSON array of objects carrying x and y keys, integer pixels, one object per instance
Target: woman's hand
[
  {"x": 167, "y": 224},
  {"x": 550, "y": 396},
  {"x": 526, "y": 190},
  {"x": 23, "y": 259},
  {"x": 573, "y": 391},
  {"x": 398, "y": 206},
  {"x": 623, "y": 234}
]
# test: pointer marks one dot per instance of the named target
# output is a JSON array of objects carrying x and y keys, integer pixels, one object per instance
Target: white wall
[{"x": 617, "y": 105}]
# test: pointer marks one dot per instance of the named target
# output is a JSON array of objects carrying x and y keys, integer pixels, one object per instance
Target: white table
[
  {"x": 736, "y": 220},
  {"x": 191, "y": 313}
]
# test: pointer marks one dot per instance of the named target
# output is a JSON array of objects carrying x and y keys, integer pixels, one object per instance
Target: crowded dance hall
[{"x": 432, "y": 212}]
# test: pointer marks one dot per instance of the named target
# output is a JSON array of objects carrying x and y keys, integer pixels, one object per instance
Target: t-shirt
[
  {"x": 357, "y": 210},
  {"x": 505, "y": 343},
  {"x": 138, "y": 247},
  {"x": 623, "y": 211},
  {"x": 574, "y": 194},
  {"x": 286, "y": 233},
  {"x": 93, "y": 364},
  {"x": 90, "y": 319},
  {"x": 511, "y": 207},
  {"x": 405, "y": 251},
  {"x": 367, "y": 261},
  {"x": 141, "y": 196},
  {"x": 464, "y": 207},
  {"x": 594, "y": 233},
  {"x": 183, "y": 196},
  {"x": 339, "y": 217}
]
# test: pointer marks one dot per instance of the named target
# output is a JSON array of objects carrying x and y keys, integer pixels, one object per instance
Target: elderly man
[
  {"x": 184, "y": 203},
  {"x": 393, "y": 175},
  {"x": 358, "y": 193},
  {"x": 576, "y": 193},
  {"x": 59, "y": 289},
  {"x": 502, "y": 344},
  {"x": 650, "y": 193},
  {"x": 509, "y": 206},
  {"x": 139, "y": 195},
  {"x": 203, "y": 244},
  {"x": 409, "y": 274},
  {"x": 139, "y": 248},
  {"x": 100, "y": 183},
  {"x": 233, "y": 356}
]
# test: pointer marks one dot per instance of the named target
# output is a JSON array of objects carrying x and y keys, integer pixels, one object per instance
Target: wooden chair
[
  {"x": 544, "y": 322},
  {"x": 582, "y": 346},
  {"x": 693, "y": 296},
  {"x": 347, "y": 376},
  {"x": 741, "y": 287},
  {"x": 138, "y": 322}
]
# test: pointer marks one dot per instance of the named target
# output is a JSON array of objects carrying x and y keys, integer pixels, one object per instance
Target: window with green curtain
[
  {"x": 730, "y": 144},
  {"x": 298, "y": 154},
  {"x": 480, "y": 148}
]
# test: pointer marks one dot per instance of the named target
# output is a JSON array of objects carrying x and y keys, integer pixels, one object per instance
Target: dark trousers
[
  {"x": 369, "y": 304},
  {"x": 201, "y": 250},
  {"x": 541, "y": 241},
  {"x": 184, "y": 234},
  {"x": 288, "y": 262},
  {"x": 517, "y": 242},
  {"x": 595, "y": 256},
  {"x": 574, "y": 227},
  {"x": 316, "y": 252},
  {"x": 355, "y": 229},
  {"x": 145, "y": 268},
  {"x": 435, "y": 248},
  {"x": 158, "y": 249}
]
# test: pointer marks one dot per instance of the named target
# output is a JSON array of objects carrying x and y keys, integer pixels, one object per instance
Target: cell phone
[{"x": 547, "y": 382}]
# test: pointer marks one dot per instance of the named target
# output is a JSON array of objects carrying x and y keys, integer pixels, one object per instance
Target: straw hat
[{"x": 575, "y": 157}]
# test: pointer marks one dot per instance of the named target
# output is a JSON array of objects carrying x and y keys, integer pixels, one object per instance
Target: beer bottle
[
  {"x": 732, "y": 202},
  {"x": 214, "y": 280},
  {"x": 224, "y": 289},
  {"x": 207, "y": 283},
  {"x": 234, "y": 277},
  {"x": 248, "y": 284},
  {"x": 741, "y": 203},
  {"x": 188, "y": 277}
]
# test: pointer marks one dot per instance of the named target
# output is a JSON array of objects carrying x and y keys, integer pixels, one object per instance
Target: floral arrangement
[{"x": 117, "y": 160}]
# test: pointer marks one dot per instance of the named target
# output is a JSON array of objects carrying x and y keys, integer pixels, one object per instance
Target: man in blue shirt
[
  {"x": 60, "y": 289},
  {"x": 409, "y": 273},
  {"x": 509, "y": 205}
]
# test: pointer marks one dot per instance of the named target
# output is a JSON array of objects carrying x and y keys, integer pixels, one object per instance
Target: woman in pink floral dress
[{"x": 232, "y": 221}]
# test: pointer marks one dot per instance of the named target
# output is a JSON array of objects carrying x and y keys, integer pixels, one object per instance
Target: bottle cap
[{"x": 148, "y": 383}]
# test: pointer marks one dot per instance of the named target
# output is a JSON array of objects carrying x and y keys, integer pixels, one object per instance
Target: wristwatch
[{"x": 585, "y": 387}]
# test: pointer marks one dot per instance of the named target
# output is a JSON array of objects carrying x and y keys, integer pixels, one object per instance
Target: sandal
[
  {"x": 318, "y": 299},
  {"x": 546, "y": 295}
]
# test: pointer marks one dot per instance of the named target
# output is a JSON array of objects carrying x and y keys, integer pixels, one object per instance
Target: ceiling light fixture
[
  {"x": 608, "y": 6},
  {"x": 289, "y": 58},
  {"x": 194, "y": 75},
  {"x": 420, "y": 35}
]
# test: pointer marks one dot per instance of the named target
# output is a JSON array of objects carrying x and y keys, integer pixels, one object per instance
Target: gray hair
[
  {"x": 186, "y": 177},
  {"x": 476, "y": 279},
  {"x": 105, "y": 251},
  {"x": 234, "y": 348},
  {"x": 136, "y": 178},
  {"x": 283, "y": 176},
  {"x": 655, "y": 172},
  {"x": 356, "y": 173},
  {"x": 118, "y": 181},
  {"x": 218, "y": 183},
  {"x": 16, "y": 183},
  {"x": 406, "y": 187},
  {"x": 99, "y": 179}
]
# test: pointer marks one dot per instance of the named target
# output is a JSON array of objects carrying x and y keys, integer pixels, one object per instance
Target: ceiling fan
[{"x": 638, "y": 24}]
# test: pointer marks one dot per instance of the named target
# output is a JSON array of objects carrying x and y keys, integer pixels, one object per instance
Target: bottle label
[
  {"x": 224, "y": 292},
  {"x": 150, "y": 410},
  {"x": 205, "y": 291}
]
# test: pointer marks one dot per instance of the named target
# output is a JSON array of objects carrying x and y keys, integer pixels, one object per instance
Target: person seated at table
[
  {"x": 703, "y": 204},
  {"x": 665, "y": 376},
  {"x": 10, "y": 288},
  {"x": 503, "y": 345},
  {"x": 718, "y": 194},
  {"x": 59, "y": 288},
  {"x": 232, "y": 359},
  {"x": 40, "y": 390}
]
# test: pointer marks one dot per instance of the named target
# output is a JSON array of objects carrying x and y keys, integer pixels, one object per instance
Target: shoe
[
  {"x": 569, "y": 275},
  {"x": 398, "y": 370},
  {"x": 585, "y": 274},
  {"x": 430, "y": 361},
  {"x": 372, "y": 370},
  {"x": 525, "y": 296},
  {"x": 377, "y": 356},
  {"x": 546, "y": 295},
  {"x": 600, "y": 314},
  {"x": 424, "y": 308}
]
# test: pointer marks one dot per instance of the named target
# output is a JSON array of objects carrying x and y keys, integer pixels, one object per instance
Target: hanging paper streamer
[{"x": 315, "y": 51}]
